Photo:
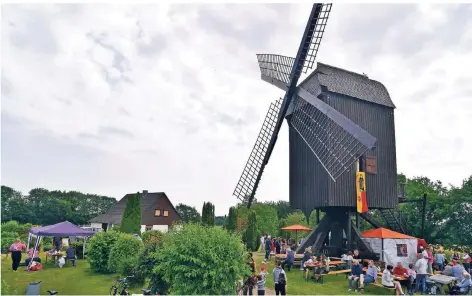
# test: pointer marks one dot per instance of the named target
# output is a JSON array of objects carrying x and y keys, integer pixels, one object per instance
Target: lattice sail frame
[
  {"x": 335, "y": 148},
  {"x": 254, "y": 164}
]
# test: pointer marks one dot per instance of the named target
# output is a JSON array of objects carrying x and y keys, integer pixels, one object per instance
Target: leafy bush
[
  {"x": 79, "y": 249},
  {"x": 98, "y": 250},
  {"x": 129, "y": 267},
  {"x": 13, "y": 226},
  {"x": 200, "y": 260},
  {"x": 8, "y": 238},
  {"x": 151, "y": 236},
  {"x": 124, "y": 248},
  {"x": 251, "y": 233}
]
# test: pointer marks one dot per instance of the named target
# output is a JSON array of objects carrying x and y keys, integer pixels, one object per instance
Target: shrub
[
  {"x": 151, "y": 236},
  {"x": 98, "y": 250},
  {"x": 200, "y": 260},
  {"x": 125, "y": 247},
  {"x": 129, "y": 267},
  {"x": 250, "y": 236},
  {"x": 79, "y": 249},
  {"x": 8, "y": 238},
  {"x": 13, "y": 226}
]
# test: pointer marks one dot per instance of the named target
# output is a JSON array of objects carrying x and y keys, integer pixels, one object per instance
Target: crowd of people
[
  {"x": 32, "y": 255},
  {"x": 415, "y": 275}
]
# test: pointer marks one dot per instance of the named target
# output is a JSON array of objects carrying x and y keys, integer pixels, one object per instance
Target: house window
[
  {"x": 371, "y": 165},
  {"x": 148, "y": 227},
  {"x": 166, "y": 213},
  {"x": 157, "y": 213}
]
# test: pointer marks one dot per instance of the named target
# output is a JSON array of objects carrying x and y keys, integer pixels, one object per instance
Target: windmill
[{"x": 332, "y": 117}]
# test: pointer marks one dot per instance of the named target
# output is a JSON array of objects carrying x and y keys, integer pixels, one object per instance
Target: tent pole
[{"x": 29, "y": 240}]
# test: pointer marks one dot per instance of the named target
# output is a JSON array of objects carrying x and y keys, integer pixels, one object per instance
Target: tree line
[{"x": 43, "y": 207}]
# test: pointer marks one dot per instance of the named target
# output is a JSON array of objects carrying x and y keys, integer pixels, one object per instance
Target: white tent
[{"x": 393, "y": 247}]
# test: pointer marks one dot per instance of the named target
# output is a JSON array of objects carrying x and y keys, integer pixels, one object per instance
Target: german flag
[{"x": 361, "y": 193}]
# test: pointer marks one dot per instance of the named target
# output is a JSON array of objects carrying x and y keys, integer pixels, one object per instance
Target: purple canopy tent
[{"x": 60, "y": 229}]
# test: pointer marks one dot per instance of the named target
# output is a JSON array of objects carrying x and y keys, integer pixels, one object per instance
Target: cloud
[{"x": 117, "y": 98}]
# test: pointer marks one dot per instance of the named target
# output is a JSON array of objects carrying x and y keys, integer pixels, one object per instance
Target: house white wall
[
  {"x": 96, "y": 225},
  {"x": 163, "y": 228}
]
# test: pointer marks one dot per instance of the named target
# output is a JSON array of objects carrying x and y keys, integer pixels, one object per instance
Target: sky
[{"x": 118, "y": 98}]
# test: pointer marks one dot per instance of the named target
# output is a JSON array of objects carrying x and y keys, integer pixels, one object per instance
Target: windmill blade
[
  {"x": 249, "y": 180},
  {"x": 318, "y": 25},
  {"x": 335, "y": 140},
  {"x": 275, "y": 69}
]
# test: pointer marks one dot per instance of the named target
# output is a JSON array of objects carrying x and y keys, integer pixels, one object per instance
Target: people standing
[
  {"x": 421, "y": 267},
  {"x": 16, "y": 248},
  {"x": 260, "y": 285},
  {"x": 430, "y": 259},
  {"x": 267, "y": 249},
  {"x": 411, "y": 278},
  {"x": 277, "y": 246},
  {"x": 280, "y": 280},
  {"x": 466, "y": 260},
  {"x": 440, "y": 260}
]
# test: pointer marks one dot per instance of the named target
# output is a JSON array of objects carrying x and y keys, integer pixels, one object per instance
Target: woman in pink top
[{"x": 15, "y": 250}]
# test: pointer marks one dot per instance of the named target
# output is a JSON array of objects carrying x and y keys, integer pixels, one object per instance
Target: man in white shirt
[{"x": 421, "y": 267}]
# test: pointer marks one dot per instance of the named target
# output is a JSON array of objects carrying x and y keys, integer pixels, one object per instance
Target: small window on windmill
[
  {"x": 157, "y": 213},
  {"x": 371, "y": 164}
]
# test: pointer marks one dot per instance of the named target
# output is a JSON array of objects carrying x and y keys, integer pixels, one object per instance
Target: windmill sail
[
  {"x": 335, "y": 140},
  {"x": 283, "y": 72},
  {"x": 247, "y": 182}
]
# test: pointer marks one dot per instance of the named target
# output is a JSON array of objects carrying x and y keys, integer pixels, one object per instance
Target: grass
[
  {"x": 296, "y": 284},
  {"x": 68, "y": 280}
]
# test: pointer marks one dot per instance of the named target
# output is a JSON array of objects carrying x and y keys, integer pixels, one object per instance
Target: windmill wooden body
[{"x": 342, "y": 142}]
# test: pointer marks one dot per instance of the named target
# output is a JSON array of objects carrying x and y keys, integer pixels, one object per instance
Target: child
[
  {"x": 319, "y": 270},
  {"x": 261, "y": 285},
  {"x": 264, "y": 272},
  {"x": 411, "y": 278}
]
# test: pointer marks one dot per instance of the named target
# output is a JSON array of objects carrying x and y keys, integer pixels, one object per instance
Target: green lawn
[
  {"x": 67, "y": 280},
  {"x": 296, "y": 284},
  {"x": 80, "y": 280}
]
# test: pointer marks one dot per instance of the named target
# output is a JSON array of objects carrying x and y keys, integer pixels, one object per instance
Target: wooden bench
[
  {"x": 381, "y": 286},
  {"x": 336, "y": 272}
]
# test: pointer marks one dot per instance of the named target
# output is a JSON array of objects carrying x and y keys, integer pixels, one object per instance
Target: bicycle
[{"x": 121, "y": 285}]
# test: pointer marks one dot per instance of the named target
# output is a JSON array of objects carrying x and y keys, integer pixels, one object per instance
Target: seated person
[
  {"x": 370, "y": 275},
  {"x": 32, "y": 256},
  {"x": 319, "y": 270},
  {"x": 400, "y": 271},
  {"x": 457, "y": 271},
  {"x": 70, "y": 255},
  {"x": 290, "y": 260},
  {"x": 307, "y": 264},
  {"x": 389, "y": 282},
  {"x": 464, "y": 285},
  {"x": 447, "y": 270},
  {"x": 347, "y": 260},
  {"x": 356, "y": 273}
]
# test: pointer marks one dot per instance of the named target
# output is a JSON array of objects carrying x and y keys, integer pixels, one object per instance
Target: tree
[
  {"x": 297, "y": 217},
  {"x": 232, "y": 220},
  {"x": 208, "y": 214},
  {"x": 188, "y": 214},
  {"x": 131, "y": 221},
  {"x": 251, "y": 234},
  {"x": 312, "y": 219},
  {"x": 266, "y": 219},
  {"x": 190, "y": 261}
]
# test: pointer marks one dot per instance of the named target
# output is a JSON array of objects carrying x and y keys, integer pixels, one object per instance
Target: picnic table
[
  {"x": 54, "y": 257},
  {"x": 442, "y": 280}
]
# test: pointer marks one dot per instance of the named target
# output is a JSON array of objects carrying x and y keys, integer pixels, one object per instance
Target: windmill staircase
[{"x": 395, "y": 220}]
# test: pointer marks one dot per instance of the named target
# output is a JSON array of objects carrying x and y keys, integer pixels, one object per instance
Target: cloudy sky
[{"x": 111, "y": 99}]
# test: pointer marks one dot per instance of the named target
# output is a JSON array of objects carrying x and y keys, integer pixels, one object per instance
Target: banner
[{"x": 361, "y": 193}]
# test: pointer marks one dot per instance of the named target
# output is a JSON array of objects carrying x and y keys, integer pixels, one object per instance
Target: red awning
[{"x": 384, "y": 233}]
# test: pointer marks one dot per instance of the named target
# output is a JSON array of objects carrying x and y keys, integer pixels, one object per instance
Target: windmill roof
[
  {"x": 115, "y": 213},
  {"x": 351, "y": 84}
]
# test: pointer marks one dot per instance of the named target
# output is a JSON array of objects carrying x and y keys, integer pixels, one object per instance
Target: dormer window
[
  {"x": 157, "y": 213},
  {"x": 166, "y": 213}
]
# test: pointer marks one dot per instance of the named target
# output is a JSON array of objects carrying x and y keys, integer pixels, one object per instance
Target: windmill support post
[
  {"x": 317, "y": 216},
  {"x": 336, "y": 221}
]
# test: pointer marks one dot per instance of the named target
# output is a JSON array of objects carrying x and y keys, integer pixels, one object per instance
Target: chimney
[{"x": 145, "y": 192}]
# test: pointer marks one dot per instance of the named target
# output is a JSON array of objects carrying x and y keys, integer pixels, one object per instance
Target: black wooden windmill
[{"x": 341, "y": 129}]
